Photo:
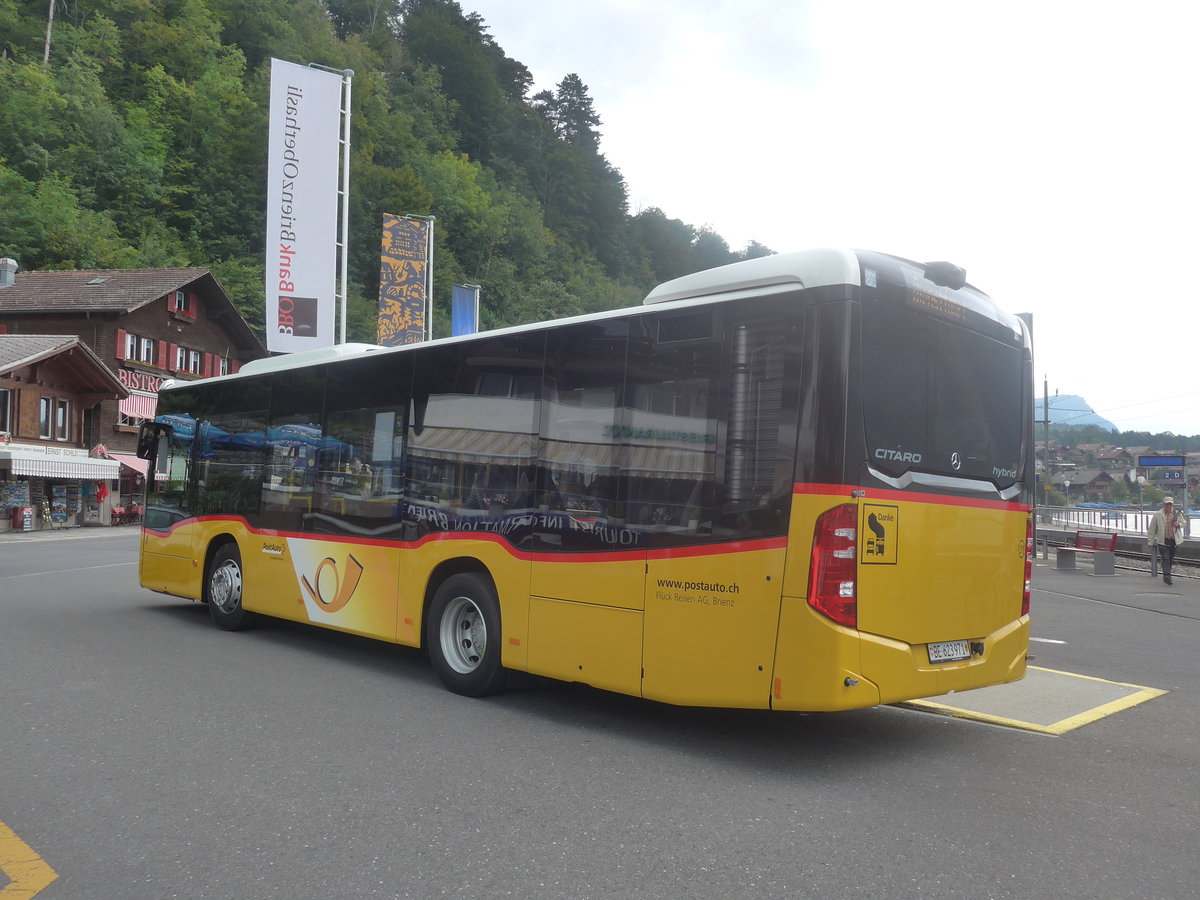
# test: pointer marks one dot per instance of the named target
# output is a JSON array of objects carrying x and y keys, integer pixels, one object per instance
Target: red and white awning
[
  {"x": 140, "y": 405},
  {"x": 129, "y": 461}
]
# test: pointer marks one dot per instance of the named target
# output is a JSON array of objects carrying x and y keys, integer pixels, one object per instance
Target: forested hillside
[{"x": 133, "y": 134}]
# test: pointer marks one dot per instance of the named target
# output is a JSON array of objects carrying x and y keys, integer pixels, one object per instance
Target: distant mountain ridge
[{"x": 1069, "y": 409}]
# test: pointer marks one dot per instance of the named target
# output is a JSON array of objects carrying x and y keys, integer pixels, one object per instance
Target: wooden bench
[{"x": 1102, "y": 547}]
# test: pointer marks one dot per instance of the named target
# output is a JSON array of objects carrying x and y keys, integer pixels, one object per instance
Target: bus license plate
[{"x": 949, "y": 651}]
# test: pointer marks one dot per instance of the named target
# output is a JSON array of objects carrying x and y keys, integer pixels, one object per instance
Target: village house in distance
[
  {"x": 70, "y": 406},
  {"x": 1087, "y": 473}
]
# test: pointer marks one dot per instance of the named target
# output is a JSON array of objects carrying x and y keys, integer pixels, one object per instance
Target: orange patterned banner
[{"x": 403, "y": 264}]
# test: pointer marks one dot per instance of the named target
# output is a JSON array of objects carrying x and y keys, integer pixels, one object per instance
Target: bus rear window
[{"x": 940, "y": 398}]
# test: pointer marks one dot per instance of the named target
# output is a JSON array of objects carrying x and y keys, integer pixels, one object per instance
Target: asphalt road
[{"x": 145, "y": 754}]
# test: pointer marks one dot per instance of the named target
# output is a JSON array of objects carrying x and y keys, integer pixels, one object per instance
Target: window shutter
[
  {"x": 122, "y": 334},
  {"x": 234, "y": 365},
  {"x": 160, "y": 350},
  {"x": 172, "y": 357},
  {"x": 206, "y": 365},
  {"x": 192, "y": 304}
]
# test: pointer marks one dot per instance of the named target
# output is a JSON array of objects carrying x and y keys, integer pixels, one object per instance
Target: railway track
[
  {"x": 1132, "y": 561},
  {"x": 1140, "y": 562}
]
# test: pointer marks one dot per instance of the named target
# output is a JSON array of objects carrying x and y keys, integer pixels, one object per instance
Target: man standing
[{"x": 1165, "y": 532}]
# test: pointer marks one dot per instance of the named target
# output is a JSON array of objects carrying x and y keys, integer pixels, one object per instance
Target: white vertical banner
[{"x": 302, "y": 207}]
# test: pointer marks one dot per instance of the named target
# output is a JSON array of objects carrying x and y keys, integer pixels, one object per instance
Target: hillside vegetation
[{"x": 133, "y": 133}]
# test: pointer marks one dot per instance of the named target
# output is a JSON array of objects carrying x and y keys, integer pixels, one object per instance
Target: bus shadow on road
[
  {"x": 871, "y": 739},
  {"x": 298, "y": 638},
  {"x": 788, "y": 742}
]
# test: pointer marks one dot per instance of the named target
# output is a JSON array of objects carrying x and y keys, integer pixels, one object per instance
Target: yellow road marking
[
  {"x": 975, "y": 707},
  {"x": 27, "y": 872}
]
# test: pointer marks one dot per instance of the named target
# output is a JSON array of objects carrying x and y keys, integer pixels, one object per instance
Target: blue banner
[{"x": 464, "y": 309}]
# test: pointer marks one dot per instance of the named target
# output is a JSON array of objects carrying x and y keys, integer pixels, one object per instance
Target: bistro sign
[{"x": 140, "y": 381}]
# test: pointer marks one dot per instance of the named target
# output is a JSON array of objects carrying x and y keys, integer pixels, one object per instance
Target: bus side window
[
  {"x": 669, "y": 428},
  {"x": 472, "y": 435},
  {"x": 293, "y": 437},
  {"x": 232, "y": 450},
  {"x": 579, "y": 491},
  {"x": 362, "y": 458},
  {"x": 761, "y": 400}
]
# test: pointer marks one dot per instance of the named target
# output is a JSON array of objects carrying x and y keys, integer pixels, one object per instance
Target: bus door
[
  {"x": 168, "y": 526},
  {"x": 589, "y": 569},
  {"x": 710, "y": 439}
]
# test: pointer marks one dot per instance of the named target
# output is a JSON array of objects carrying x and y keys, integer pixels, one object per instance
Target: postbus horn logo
[{"x": 343, "y": 589}]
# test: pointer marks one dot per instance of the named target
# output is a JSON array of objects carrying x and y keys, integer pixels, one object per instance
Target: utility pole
[
  {"x": 1045, "y": 423},
  {"x": 1187, "y": 523}
]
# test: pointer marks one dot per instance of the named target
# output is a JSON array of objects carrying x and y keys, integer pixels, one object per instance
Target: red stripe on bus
[
  {"x": 776, "y": 543},
  {"x": 666, "y": 552},
  {"x": 695, "y": 550},
  {"x": 846, "y": 490}
]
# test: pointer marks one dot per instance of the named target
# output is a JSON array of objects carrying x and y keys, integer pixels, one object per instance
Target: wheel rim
[
  {"x": 225, "y": 586},
  {"x": 463, "y": 635}
]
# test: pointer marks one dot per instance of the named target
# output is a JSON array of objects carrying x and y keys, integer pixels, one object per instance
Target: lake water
[{"x": 1135, "y": 522}]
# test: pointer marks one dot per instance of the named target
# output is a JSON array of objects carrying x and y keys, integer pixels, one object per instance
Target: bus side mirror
[{"x": 148, "y": 435}]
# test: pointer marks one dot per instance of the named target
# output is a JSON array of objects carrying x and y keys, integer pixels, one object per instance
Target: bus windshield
[{"x": 940, "y": 398}]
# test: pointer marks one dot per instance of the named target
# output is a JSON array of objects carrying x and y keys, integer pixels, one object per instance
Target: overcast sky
[{"x": 1049, "y": 147}]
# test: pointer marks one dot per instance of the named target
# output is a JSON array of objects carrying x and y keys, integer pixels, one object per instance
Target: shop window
[
  {"x": 5, "y": 411},
  {"x": 62, "y": 420}
]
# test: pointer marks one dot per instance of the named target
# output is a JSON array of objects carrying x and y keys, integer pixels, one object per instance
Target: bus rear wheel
[
  {"x": 463, "y": 635},
  {"x": 223, "y": 590}
]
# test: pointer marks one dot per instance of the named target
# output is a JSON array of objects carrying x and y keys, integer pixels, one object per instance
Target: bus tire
[
  {"x": 223, "y": 589},
  {"x": 463, "y": 635}
]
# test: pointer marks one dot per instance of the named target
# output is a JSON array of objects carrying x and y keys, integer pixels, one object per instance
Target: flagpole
[
  {"x": 429, "y": 284},
  {"x": 343, "y": 243},
  {"x": 347, "y": 77}
]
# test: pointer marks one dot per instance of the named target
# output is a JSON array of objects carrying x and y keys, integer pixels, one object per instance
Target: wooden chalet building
[
  {"x": 145, "y": 325},
  {"x": 49, "y": 386}
]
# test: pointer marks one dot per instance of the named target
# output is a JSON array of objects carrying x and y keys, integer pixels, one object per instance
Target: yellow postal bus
[{"x": 799, "y": 482}]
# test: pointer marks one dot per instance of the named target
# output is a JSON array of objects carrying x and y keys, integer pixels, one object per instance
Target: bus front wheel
[
  {"x": 223, "y": 590},
  {"x": 463, "y": 635}
]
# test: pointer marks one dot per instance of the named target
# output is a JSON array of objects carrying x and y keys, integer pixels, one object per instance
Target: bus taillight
[
  {"x": 832, "y": 576},
  {"x": 1028, "y": 566}
]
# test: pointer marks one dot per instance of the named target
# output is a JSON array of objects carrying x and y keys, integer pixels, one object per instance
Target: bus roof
[
  {"x": 753, "y": 277},
  {"x": 782, "y": 271}
]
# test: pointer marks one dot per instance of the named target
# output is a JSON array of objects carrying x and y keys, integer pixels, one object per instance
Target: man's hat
[{"x": 1170, "y": 500}]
